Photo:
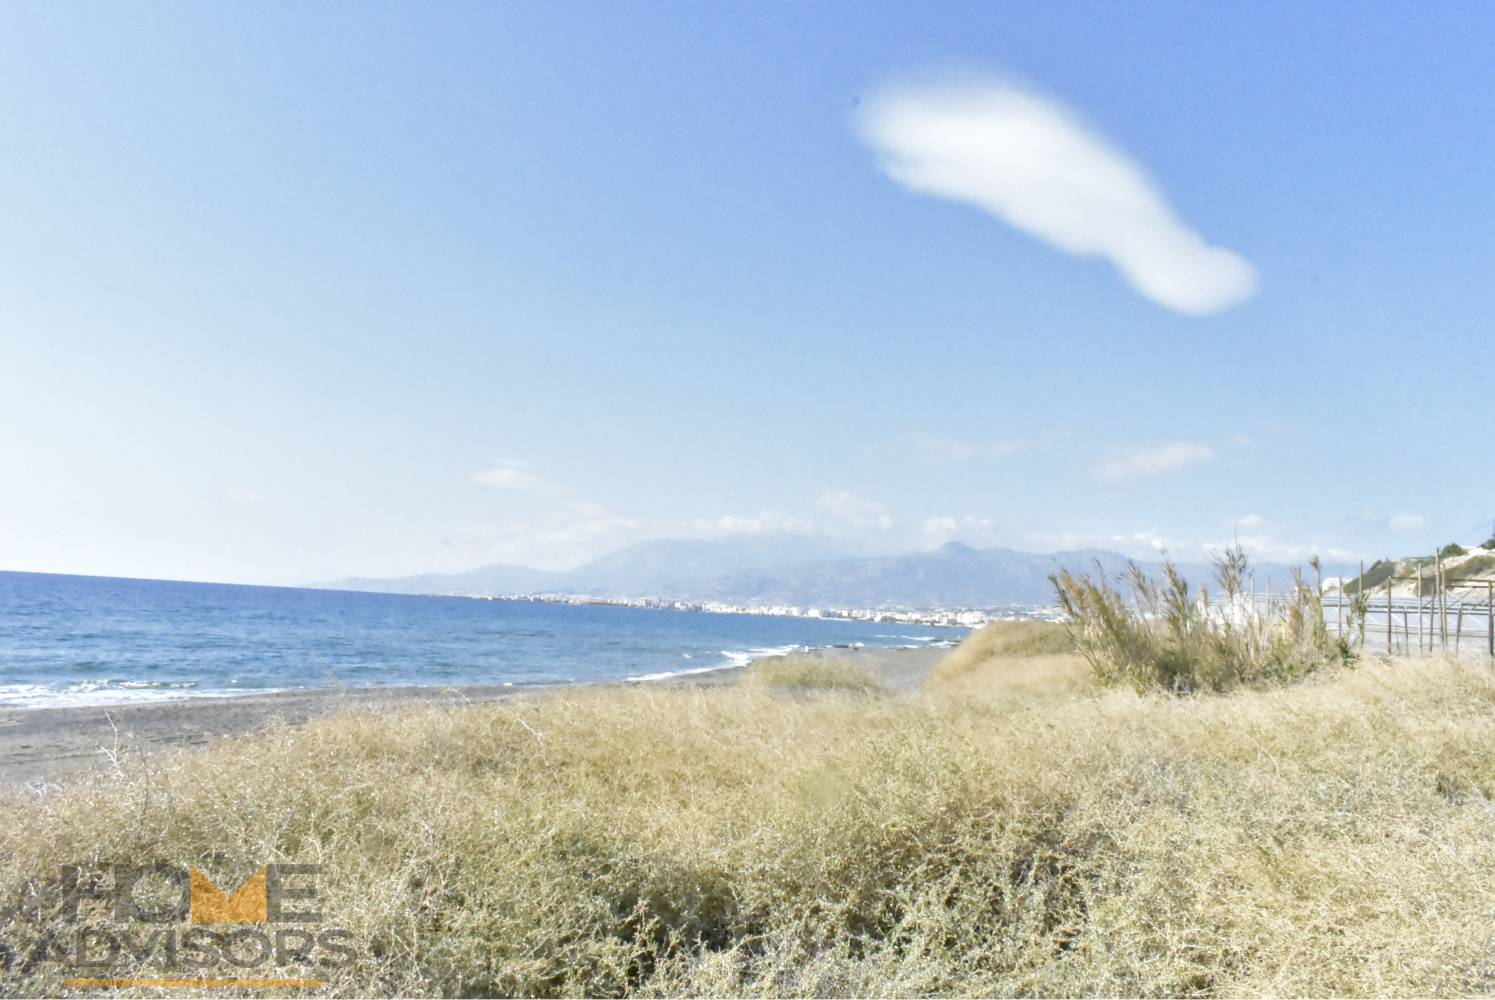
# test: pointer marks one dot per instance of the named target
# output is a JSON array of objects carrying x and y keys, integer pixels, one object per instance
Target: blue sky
[{"x": 291, "y": 292}]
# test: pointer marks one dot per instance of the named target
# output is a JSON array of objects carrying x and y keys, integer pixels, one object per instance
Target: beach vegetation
[
  {"x": 1161, "y": 634},
  {"x": 1009, "y": 639},
  {"x": 807, "y": 672},
  {"x": 1478, "y": 566},
  {"x": 1330, "y": 837},
  {"x": 1379, "y": 572},
  {"x": 1012, "y": 664}
]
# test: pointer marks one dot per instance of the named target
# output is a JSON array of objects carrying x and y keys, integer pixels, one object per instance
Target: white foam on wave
[
  {"x": 742, "y": 657},
  {"x": 16, "y": 695},
  {"x": 665, "y": 675},
  {"x": 732, "y": 658},
  {"x": 94, "y": 693}
]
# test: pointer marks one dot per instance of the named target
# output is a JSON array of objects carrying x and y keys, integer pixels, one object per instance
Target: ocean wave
[
  {"x": 89, "y": 693},
  {"x": 742, "y": 657},
  {"x": 730, "y": 658},
  {"x": 665, "y": 675}
]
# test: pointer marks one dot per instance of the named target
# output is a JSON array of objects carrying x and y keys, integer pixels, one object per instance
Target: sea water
[{"x": 78, "y": 640}]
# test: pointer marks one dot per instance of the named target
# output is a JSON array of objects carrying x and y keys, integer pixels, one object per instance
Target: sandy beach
[{"x": 41, "y": 745}]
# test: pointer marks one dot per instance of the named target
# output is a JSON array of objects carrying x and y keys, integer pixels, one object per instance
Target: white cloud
[
  {"x": 1145, "y": 544},
  {"x": 941, "y": 529},
  {"x": 1149, "y": 539},
  {"x": 557, "y": 539},
  {"x": 856, "y": 511},
  {"x": 1141, "y": 463},
  {"x": 1026, "y": 160},
  {"x": 1151, "y": 544},
  {"x": 514, "y": 475},
  {"x": 1251, "y": 522},
  {"x": 1264, "y": 548},
  {"x": 972, "y": 529},
  {"x": 768, "y": 522},
  {"x": 1406, "y": 522}
]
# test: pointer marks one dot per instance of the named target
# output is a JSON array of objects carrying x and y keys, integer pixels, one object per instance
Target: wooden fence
[{"x": 1436, "y": 623}]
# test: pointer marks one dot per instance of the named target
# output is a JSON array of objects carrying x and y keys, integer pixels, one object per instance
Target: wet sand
[{"x": 41, "y": 745}]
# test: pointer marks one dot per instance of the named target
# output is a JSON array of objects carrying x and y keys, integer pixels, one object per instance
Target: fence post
[
  {"x": 1390, "y": 630},
  {"x": 1458, "y": 630},
  {"x": 1433, "y": 608},
  {"x": 1443, "y": 603},
  {"x": 1419, "y": 609},
  {"x": 1490, "y": 618}
]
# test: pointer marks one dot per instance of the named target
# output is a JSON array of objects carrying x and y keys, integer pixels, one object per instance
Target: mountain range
[{"x": 806, "y": 572}]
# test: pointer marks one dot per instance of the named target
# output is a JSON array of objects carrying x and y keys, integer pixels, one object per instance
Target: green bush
[
  {"x": 1453, "y": 549},
  {"x": 1376, "y": 576}
]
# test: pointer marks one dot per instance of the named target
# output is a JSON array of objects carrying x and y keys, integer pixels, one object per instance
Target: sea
[{"x": 81, "y": 640}]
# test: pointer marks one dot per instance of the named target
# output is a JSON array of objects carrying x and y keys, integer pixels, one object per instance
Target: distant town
[{"x": 946, "y": 617}]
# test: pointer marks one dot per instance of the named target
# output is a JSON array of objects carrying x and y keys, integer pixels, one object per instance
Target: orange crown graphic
[{"x": 211, "y": 905}]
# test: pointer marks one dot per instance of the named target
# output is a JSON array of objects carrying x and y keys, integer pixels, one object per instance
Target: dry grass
[
  {"x": 1008, "y": 639},
  {"x": 1013, "y": 664},
  {"x": 808, "y": 672},
  {"x": 1333, "y": 837}
]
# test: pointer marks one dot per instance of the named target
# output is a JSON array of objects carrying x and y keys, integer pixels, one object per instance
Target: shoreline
[{"x": 41, "y": 745}]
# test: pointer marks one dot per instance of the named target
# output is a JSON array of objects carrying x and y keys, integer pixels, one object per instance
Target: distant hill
[
  {"x": 1465, "y": 570},
  {"x": 753, "y": 570},
  {"x": 647, "y": 569},
  {"x": 955, "y": 575},
  {"x": 484, "y": 580},
  {"x": 674, "y": 565}
]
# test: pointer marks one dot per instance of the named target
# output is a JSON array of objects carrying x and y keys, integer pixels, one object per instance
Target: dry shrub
[
  {"x": 1013, "y": 663},
  {"x": 1008, "y": 639},
  {"x": 1334, "y": 837},
  {"x": 808, "y": 672}
]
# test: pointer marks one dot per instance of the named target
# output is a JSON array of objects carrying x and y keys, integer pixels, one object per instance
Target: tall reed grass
[{"x": 1162, "y": 634}]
